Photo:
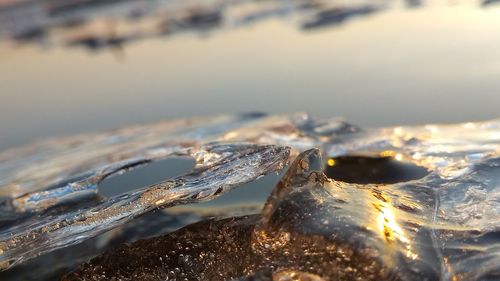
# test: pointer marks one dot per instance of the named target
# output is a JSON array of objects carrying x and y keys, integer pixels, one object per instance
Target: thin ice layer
[
  {"x": 219, "y": 168},
  {"x": 312, "y": 227},
  {"x": 457, "y": 204}
]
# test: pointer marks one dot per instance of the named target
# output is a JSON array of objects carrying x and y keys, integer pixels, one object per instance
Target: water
[{"x": 403, "y": 64}]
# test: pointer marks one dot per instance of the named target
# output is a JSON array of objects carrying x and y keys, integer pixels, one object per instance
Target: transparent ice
[{"x": 51, "y": 196}]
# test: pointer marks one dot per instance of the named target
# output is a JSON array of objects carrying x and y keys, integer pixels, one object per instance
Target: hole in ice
[
  {"x": 386, "y": 168},
  {"x": 245, "y": 199},
  {"x": 145, "y": 175}
]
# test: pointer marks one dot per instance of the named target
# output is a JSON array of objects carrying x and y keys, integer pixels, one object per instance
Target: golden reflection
[
  {"x": 387, "y": 153},
  {"x": 399, "y": 156},
  {"x": 449, "y": 269},
  {"x": 432, "y": 128},
  {"x": 391, "y": 153},
  {"x": 391, "y": 231},
  {"x": 331, "y": 162},
  {"x": 230, "y": 135},
  {"x": 398, "y": 131},
  {"x": 160, "y": 202}
]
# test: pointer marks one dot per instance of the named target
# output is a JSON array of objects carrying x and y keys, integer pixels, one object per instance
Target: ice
[
  {"x": 313, "y": 228},
  {"x": 442, "y": 226},
  {"x": 48, "y": 218}
]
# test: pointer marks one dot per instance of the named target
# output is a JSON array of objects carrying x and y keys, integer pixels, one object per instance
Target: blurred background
[{"x": 73, "y": 66}]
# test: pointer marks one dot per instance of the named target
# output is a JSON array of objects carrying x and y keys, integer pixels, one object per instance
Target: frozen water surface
[{"x": 442, "y": 225}]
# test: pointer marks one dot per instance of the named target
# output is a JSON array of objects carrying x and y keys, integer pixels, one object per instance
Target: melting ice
[{"x": 442, "y": 226}]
